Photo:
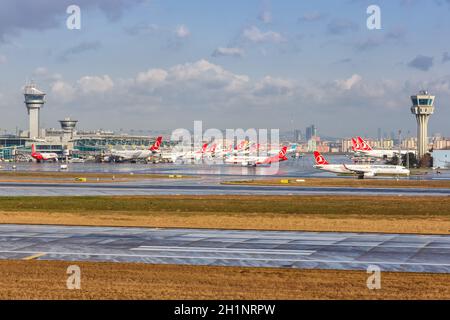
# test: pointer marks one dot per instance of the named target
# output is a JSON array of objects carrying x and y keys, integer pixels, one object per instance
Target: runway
[
  {"x": 196, "y": 187},
  {"x": 278, "y": 249}
]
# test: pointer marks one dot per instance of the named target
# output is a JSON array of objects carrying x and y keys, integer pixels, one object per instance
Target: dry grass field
[
  {"x": 310, "y": 213},
  {"x": 47, "y": 280},
  {"x": 69, "y": 177},
  {"x": 347, "y": 182}
]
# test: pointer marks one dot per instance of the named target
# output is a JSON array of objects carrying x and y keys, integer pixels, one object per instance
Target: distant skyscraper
[
  {"x": 392, "y": 136},
  {"x": 311, "y": 131},
  {"x": 298, "y": 135},
  {"x": 422, "y": 108},
  {"x": 379, "y": 136}
]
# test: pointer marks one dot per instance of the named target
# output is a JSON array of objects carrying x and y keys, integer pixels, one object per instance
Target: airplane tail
[
  {"x": 156, "y": 145},
  {"x": 320, "y": 160},
  {"x": 363, "y": 145},
  {"x": 33, "y": 149},
  {"x": 213, "y": 148},
  {"x": 355, "y": 146},
  {"x": 204, "y": 147},
  {"x": 282, "y": 154}
]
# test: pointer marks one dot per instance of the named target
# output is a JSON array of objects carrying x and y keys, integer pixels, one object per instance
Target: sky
[{"x": 161, "y": 64}]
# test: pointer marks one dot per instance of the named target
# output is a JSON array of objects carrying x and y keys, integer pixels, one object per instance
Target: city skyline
[{"x": 156, "y": 65}]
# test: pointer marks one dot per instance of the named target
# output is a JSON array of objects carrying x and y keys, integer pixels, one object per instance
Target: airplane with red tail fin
[
  {"x": 43, "y": 156},
  {"x": 361, "y": 170},
  {"x": 245, "y": 160},
  {"x": 361, "y": 147}
]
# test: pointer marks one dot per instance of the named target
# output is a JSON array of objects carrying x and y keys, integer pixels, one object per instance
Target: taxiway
[{"x": 278, "y": 249}]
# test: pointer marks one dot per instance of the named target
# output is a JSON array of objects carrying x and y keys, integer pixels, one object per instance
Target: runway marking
[
  {"x": 422, "y": 246},
  {"x": 226, "y": 250},
  {"x": 240, "y": 259},
  {"x": 34, "y": 256}
]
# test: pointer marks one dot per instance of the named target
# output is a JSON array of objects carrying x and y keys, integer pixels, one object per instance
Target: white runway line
[
  {"x": 225, "y": 250},
  {"x": 229, "y": 258}
]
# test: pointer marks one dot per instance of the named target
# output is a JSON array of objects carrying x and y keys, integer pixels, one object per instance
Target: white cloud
[
  {"x": 152, "y": 77},
  {"x": 255, "y": 35},
  {"x": 200, "y": 70},
  {"x": 234, "y": 52},
  {"x": 270, "y": 86},
  {"x": 43, "y": 74},
  {"x": 349, "y": 83},
  {"x": 182, "y": 32},
  {"x": 95, "y": 84},
  {"x": 63, "y": 91}
]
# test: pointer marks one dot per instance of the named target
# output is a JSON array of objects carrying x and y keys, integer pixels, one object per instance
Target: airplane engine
[{"x": 369, "y": 174}]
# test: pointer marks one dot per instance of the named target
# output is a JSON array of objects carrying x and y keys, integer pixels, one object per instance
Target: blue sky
[{"x": 256, "y": 63}]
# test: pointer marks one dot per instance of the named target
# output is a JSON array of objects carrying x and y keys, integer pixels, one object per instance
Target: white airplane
[
  {"x": 291, "y": 150},
  {"x": 362, "y": 170},
  {"x": 194, "y": 155},
  {"x": 43, "y": 156},
  {"x": 220, "y": 152},
  {"x": 248, "y": 160},
  {"x": 154, "y": 149},
  {"x": 129, "y": 155},
  {"x": 359, "y": 146}
]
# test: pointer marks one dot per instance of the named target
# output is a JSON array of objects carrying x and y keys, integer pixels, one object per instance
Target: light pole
[
  {"x": 400, "y": 160},
  {"x": 407, "y": 150}
]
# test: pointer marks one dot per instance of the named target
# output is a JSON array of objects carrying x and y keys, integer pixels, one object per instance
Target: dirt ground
[{"x": 47, "y": 280}]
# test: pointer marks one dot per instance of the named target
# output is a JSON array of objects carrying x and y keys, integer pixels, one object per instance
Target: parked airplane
[
  {"x": 248, "y": 160},
  {"x": 154, "y": 149},
  {"x": 130, "y": 155},
  {"x": 222, "y": 151},
  {"x": 359, "y": 146},
  {"x": 43, "y": 156},
  {"x": 362, "y": 170},
  {"x": 291, "y": 150},
  {"x": 194, "y": 155}
]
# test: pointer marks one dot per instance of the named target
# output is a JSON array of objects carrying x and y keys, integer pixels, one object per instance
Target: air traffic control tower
[
  {"x": 34, "y": 101},
  {"x": 423, "y": 108},
  {"x": 68, "y": 126}
]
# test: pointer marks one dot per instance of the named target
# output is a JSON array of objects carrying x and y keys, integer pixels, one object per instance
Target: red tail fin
[
  {"x": 204, "y": 147},
  {"x": 33, "y": 149},
  {"x": 354, "y": 145},
  {"x": 320, "y": 160},
  {"x": 156, "y": 145},
  {"x": 282, "y": 153},
  {"x": 363, "y": 145}
]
